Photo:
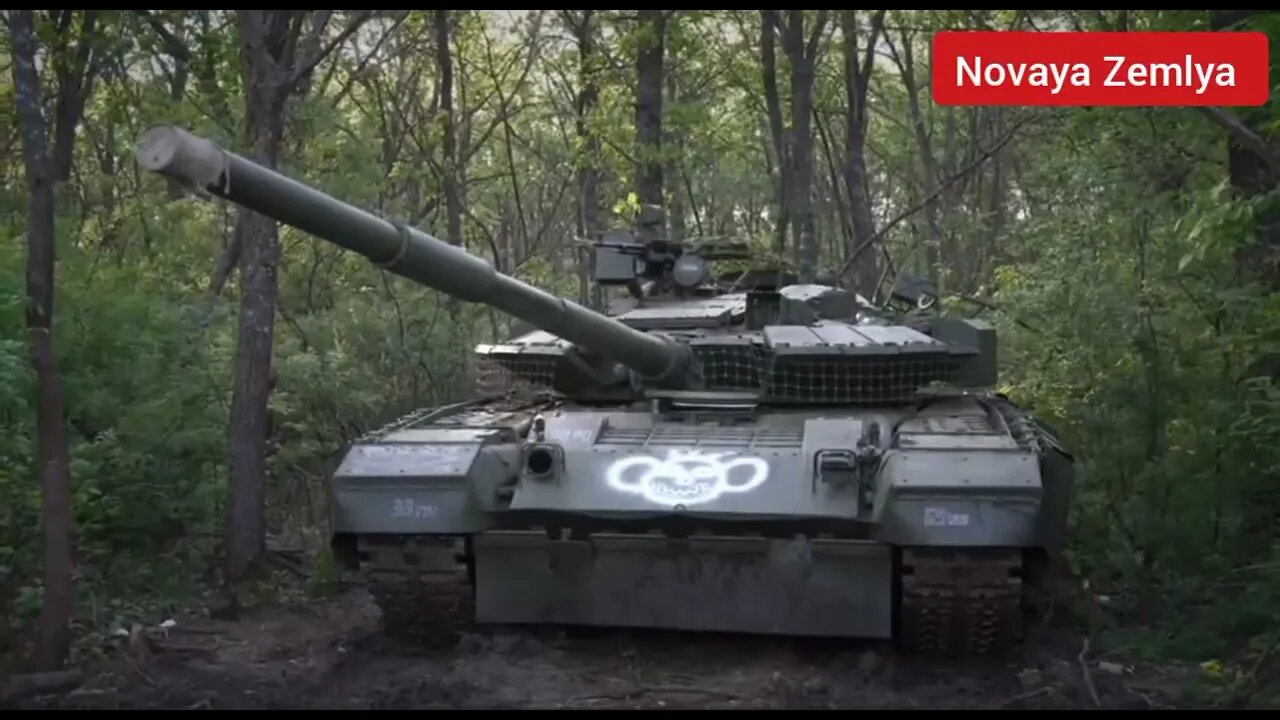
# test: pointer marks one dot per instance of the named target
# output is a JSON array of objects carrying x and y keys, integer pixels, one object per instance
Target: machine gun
[{"x": 668, "y": 267}]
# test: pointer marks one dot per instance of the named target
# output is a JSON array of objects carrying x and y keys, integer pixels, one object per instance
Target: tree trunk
[
  {"x": 993, "y": 220},
  {"x": 930, "y": 174},
  {"x": 841, "y": 234},
  {"x": 444, "y": 63},
  {"x": 769, "y": 68},
  {"x": 857, "y": 81},
  {"x": 53, "y": 641},
  {"x": 589, "y": 172},
  {"x": 649, "y": 69},
  {"x": 250, "y": 421},
  {"x": 451, "y": 184},
  {"x": 75, "y": 79},
  {"x": 209, "y": 45},
  {"x": 264, "y": 35},
  {"x": 802, "y": 71},
  {"x": 674, "y": 141}
]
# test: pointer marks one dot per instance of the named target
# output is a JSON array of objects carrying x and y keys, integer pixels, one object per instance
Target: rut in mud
[{"x": 333, "y": 655}]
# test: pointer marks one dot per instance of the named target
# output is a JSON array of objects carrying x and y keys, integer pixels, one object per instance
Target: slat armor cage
[{"x": 824, "y": 363}]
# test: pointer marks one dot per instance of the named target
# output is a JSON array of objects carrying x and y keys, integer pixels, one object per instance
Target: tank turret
[{"x": 202, "y": 165}]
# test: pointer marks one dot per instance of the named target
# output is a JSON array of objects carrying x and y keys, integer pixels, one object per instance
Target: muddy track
[{"x": 334, "y": 655}]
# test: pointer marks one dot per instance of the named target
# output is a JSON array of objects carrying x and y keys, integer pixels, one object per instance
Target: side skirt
[
  {"x": 806, "y": 587},
  {"x": 952, "y": 602}
]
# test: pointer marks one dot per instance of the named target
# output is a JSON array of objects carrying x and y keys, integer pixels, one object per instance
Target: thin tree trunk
[
  {"x": 210, "y": 45},
  {"x": 589, "y": 172},
  {"x": 993, "y": 220},
  {"x": 272, "y": 72},
  {"x": 444, "y": 63},
  {"x": 250, "y": 420},
  {"x": 769, "y": 69},
  {"x": 673, "y": 140},
  {"x": 53, "y": 641},
  {"x": 75, "y": 80},
  {"x": 837, "y": 199},
  {"x": 857, "y": 83},
  {"x": 649, "y": 69},
  {"x": 802, "y": 71},
  {"x": 930, "y": 174},
  {"x": 264, "y": 36},
  {"x": 451, "y": 184}
]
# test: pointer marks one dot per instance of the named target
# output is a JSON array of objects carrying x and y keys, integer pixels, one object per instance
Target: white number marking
[
  {"x": 941, "y": 517},
  {"x": 407, "y": 508}
]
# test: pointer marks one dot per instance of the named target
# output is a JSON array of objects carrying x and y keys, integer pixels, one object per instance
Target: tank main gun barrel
[{"x": 201, "y": 164}]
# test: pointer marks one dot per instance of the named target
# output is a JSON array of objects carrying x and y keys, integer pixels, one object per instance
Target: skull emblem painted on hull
[{"x": 686, "y": 477}]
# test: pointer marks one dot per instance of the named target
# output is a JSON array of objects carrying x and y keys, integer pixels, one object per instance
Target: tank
[{"x": 734, "y": 452}]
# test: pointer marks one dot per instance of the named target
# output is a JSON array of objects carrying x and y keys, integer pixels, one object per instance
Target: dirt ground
[{"x": 333, "y": 654}]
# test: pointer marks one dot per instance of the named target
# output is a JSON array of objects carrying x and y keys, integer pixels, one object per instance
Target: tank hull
[{"x": 632, "y": 519}]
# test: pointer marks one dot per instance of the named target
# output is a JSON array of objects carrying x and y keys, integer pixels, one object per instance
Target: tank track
[
  {"x": 422, "y": 584},
  {"x": 954, "y": 603},
  {"x": 958, "y": 603}
]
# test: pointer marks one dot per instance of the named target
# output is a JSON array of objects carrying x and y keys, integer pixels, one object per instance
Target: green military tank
[{"x": 738, "y": 453}]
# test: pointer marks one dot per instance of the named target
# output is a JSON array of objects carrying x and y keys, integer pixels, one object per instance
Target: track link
[
  {"x": 960, "y": 603},
  {"x": 422, "y": 585}
]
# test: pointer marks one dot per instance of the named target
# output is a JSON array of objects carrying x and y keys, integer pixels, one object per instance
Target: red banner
[{"x": 1101, "y": 68}]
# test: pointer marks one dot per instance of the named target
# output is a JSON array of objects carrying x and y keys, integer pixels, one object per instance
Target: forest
[{"x": 178, "y": 377}]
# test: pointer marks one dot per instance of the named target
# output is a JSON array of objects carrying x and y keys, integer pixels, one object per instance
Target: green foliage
[
  {"x": 144, "y": 406},
  {"x": 1151, "y": 354}
]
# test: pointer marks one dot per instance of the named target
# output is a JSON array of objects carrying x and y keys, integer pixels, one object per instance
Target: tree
[
  {"x": 75, "y": 80},
  {"x": 649, "y": 66},
  {"x": 803, "y": 57},
  {"x": 773, "y": 107},
  {"x": 857, "y": 81},
  {"x": 444, "y": 64},
  {"x": 273, "y": 70},
  {"x": 583, "y": 29}
]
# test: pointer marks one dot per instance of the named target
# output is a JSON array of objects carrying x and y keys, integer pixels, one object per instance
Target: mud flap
[{"x": 816, "y": 587}]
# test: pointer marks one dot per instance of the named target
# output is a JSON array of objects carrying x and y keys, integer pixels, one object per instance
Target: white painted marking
[
  {"x": 407, "y": 508},
  {"x": 941, "y": 517},
  {"x": 572, "y": 436},
  {"x": 686, "y": 477}
]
